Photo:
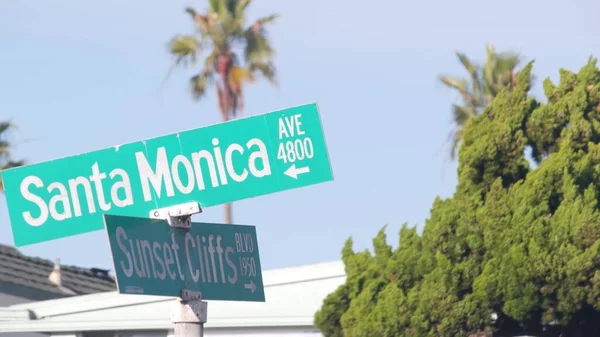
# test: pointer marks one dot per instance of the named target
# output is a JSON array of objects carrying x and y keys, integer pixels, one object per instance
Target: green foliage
[
  {"x": 6, "y": 159},
  {"x": 515, "y": 243}
]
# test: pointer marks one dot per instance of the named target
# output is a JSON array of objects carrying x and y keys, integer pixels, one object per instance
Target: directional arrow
[
  {"x": 250, "y": 286},
  {"x": 294, "y": 171}
]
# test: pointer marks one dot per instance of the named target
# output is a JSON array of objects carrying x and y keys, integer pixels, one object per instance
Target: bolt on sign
[{"x": 212, "y": 165}]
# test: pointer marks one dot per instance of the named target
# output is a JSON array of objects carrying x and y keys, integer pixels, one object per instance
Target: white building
[{"x": 293, "y": 295}]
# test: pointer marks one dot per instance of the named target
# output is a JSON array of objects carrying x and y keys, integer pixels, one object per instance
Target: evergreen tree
[{"x": 514, "y": 251}]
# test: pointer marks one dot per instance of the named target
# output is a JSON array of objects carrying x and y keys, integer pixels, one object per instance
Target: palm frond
[
  {"x": 215, "y": 5},
  {"x": 11, "y": 164},
  {"x": 458, "y": 84},
  {"x": 508, "y": 62},
  {"x": 4, "y": 146},
  {"x": 192, "y": 12},
  {"x": 231, "y": 6},
  {"x": 200, "y": 82},
  {"x": 241, "y": 7},
  {"x": 202, "y": 21},
  {"x": 468, "y": 64},
  {"x": 456, "y": 140},
  {"x": 473, "y": 71},
  {"x": 257, "y": 47},
  {"x": 267, "y": 19},
  {"x": 461, "y": 115},
  {"x": 185, "y": 48},
  {"x": 237, "y": 77},
  {"x": 4, "y": 126},
  {"x": 210, "y": 61},
  {"x": 224, "y": 11},
  {"x": 498, "y": 71},
  {"x": 229, "y": 25},
  {"x": 267, "y": 70}
]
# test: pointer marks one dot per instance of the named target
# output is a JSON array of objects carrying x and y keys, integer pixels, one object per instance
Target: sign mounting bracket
[{"x": 178, "y": 216}]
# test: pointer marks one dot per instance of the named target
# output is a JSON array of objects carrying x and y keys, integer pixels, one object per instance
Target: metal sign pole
[{"x": 189, "y": 312}]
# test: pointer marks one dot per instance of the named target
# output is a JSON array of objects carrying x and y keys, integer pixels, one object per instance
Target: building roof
[
  {"x": 32, "y": 272},
  {"x": 293, "y": 295}
]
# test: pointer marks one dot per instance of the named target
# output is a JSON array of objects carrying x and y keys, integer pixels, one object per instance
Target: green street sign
[
  {"x": 212, "y": 165},
  {"x": 152, "y": 258}
]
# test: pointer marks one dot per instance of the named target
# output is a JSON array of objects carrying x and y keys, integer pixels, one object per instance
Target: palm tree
[
  {"x": 222, "y": 34},
  {"x": 6, "y": 160},
  {"x": 484, "y": 83}
]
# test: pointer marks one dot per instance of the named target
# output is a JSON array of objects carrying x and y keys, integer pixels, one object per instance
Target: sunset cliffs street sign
[
  {"x": 212, "y": 165},
  {"x": 152, "y": 258}
]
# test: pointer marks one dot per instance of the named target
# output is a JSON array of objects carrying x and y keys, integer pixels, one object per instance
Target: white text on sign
[
  {"x": 216, "y": 263},
  {"x": 292, "y": 150},
  {"x": 65, "y": 202}
]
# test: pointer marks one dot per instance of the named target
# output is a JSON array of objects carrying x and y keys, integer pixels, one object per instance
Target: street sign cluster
[{"x": 117, "y": 188}]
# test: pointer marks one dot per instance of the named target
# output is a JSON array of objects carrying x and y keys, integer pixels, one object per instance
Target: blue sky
[{"x": 78, "y": 76}]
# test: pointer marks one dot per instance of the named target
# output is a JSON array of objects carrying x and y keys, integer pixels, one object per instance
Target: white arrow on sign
[
  {"x": 294, "y": 171},
  {"x": 250, "y": 286}
]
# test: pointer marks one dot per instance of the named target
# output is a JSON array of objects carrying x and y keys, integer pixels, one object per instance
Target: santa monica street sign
[
  {"x": 152, "y": 258},
  {"x": 212, "y": 165}
]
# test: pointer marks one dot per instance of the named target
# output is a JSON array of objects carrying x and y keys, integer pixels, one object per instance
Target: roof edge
[
  {"x": 128, "y": 299},
  {"x": 16, "y": 315},
  {"x": 82, "y": 326}
]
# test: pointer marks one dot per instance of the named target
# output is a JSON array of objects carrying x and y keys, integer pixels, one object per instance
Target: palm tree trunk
[
  {"x": 228, "y": 207},
  {"x": 223, "y": 106},
  {"x": 225, "y": 99}
]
